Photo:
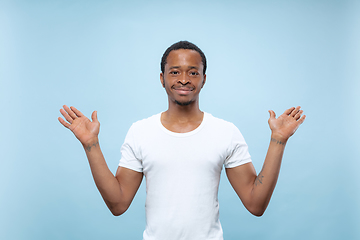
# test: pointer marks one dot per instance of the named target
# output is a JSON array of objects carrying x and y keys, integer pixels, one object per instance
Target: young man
[{"x": 181, "y": 153}]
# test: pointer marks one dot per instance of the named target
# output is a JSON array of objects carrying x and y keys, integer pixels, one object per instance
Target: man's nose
[{"x": 184, "y": 79}]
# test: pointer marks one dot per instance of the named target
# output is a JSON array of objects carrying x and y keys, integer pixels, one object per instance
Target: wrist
[
  {"x": 279, "y": 139},
  {"x": 90, "y": 144}
]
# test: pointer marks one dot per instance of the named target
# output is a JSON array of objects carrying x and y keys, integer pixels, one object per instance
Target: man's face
[{"x": 183, "y": 76}]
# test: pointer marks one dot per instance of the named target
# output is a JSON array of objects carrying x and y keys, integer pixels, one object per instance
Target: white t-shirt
[{"x": 182, "y": 173}]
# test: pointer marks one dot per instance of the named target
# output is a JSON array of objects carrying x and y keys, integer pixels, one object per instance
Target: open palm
[
  {"x": 84, "y": 129},
  {"x": 287, "y": 123}
]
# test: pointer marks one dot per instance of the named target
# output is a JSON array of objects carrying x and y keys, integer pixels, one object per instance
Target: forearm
[
  {"x": 255, "y": 190},
  {"x": 105, "y": 181},
  {"x": 264, "y": 184},
  {"x": 116, "y": 196}
]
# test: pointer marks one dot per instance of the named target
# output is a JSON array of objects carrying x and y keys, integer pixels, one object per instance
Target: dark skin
[{"x": 183, "y": 80}]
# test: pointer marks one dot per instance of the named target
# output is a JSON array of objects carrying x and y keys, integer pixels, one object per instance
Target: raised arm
[
  {"x": 255, "y": 190},
  {"x": 117, "y": 191}
]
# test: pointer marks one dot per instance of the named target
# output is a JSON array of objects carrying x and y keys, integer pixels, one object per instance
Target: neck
[
  {"x": 178, "y": 112},
  {"x": 182, "y": 119}
]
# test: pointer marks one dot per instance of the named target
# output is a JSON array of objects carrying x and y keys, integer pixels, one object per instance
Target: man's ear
[
  {"x": 204, "y": 80},
  {"x": 162, "y": 79}
]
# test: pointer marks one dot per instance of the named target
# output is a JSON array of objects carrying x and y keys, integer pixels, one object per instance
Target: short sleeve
[
  {"x": 238, "y": 150},
  {"x": 130, "y": 154}
]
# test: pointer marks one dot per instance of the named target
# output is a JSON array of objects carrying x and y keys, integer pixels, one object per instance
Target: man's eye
[
  {"x": 194, "y": 73},
  {"x": 174, "y": 72}
]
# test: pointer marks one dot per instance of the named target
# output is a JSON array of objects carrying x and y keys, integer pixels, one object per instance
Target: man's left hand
[{"x": 287, "y": 123}]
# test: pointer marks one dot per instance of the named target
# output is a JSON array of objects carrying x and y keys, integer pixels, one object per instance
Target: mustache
[{"x": 182, "y": 87}]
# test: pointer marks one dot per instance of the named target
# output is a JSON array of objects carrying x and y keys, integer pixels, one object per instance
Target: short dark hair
[{"x": 182, "y": 45}]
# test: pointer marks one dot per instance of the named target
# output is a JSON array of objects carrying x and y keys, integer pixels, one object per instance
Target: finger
[
  {"x": 62, "y": 121},
  {"x": 272, "y": 114},
  {"x": 302, "y": 119},
  {"x": 77, "y": 112},
  {"x": 70, "y": 112},
  {"x": 295, "y": 111},
  {"x": 288, "y": 111},
  {"x": 298, "y": 115},
  {"x": 94, "y": 116},
  {"x": 66, "y": 116}
]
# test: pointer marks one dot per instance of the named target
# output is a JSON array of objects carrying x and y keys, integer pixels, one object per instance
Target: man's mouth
[{"x": 183, "y": 90}]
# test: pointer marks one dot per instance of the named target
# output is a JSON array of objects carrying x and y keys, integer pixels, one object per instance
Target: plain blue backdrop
[{"x": 105, "y": 56}]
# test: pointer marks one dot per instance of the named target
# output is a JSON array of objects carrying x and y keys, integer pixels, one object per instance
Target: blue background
[{"x": 105, "y": 56}]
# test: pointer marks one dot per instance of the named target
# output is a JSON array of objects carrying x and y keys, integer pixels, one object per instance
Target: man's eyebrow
[
  {"x": 190, "y": 67},
  {"x": 193, "y": 67},
  {"x": 174, "y": 67}
]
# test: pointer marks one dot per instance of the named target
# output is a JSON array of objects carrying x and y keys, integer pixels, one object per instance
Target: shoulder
[
  {"x": 146, "y": 122},
  {"x": 145, "y": 126},
  {"x": 219, "y": 123},
  {"x": 223, "y": 128},
  {"x": 142, "y": 128}
]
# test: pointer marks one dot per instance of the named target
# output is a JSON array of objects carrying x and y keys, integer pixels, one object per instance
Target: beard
[
  {"x": 183, "y": 103},
  {"x": 177, "y": 102}
]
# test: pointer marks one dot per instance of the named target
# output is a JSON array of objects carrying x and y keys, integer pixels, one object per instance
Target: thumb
[
  {"x": 94, "y": 116},
  {"x": 272, "y": 114}
]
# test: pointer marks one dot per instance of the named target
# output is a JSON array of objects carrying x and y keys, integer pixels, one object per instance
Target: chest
[{"x": 194, "y": 154}]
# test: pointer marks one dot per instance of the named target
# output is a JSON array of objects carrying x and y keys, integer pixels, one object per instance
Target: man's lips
[{"x": 183, "y": 90}]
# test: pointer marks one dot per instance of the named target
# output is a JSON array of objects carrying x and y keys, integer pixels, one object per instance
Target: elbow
[
  {"x": 257, "y": 211},
  {"x": 117, "y": 210},
  {"x": 115, "y": 213},
  {"x": 256, "y": 208}
]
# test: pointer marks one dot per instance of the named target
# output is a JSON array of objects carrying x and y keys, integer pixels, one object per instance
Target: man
[{"x": 181, "y": 153}]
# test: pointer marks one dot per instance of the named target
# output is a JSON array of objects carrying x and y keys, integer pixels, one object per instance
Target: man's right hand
[{"x": 85, "y": 130}]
